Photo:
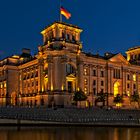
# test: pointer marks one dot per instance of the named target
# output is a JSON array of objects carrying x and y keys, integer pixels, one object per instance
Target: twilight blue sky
[{"x": 109, "y": 25}]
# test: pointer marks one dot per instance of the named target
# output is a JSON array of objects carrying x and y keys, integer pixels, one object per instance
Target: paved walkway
[{"x": 92, "y": 116}]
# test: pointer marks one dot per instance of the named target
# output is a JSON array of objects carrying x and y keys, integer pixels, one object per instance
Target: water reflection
[{"x": 73, "y": 133}]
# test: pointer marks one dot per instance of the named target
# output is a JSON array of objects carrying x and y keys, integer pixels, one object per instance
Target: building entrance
[{"x": 70, "y": 88}]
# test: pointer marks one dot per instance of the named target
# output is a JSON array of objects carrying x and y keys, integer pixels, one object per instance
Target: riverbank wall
[{"x": 17, "y": 116}]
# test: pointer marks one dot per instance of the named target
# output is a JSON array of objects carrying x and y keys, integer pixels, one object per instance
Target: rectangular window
[
  {"x": 134, "y": 86},
  {"x": 36, "y": 74},
  {"x": 94, "y": 82},
  {"x": 63, "y": 35},
  {"x": 36, "y": 83},
  {"x": 128, "y": 86},
  {"x": 73, "y": 38},
  {"x": 24, "y": 77},
  {"x": 128, "y": 77},
  {"x": 28, "y": 84},
  {"x": 32, "y": 83},
  {"x": 116, "y": 73},
  {"x": 102, "y": 73},
  {"x": 28, "y": 76},
  {"x": 134, "y": 77},
  {"x": 94, "y": 91},
  {"x": 102, "y": 90},
  {"x": 94, "y": 72},
  {"x": 67, "y": 36},
  {"x": 32, "y": 75},
  {"x": 102, "y": 83}
]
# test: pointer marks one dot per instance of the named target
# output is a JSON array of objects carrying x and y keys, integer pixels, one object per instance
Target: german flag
[{"x": 65, "y": 13}]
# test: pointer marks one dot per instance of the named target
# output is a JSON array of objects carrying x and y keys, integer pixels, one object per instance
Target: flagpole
[{"x": 60, "y": 11}]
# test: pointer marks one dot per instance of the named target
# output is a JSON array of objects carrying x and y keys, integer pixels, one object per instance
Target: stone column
[
  {"x": 98, "y": 78},
  {"x": 124, "y": 80},
  {"x": 50, "y": 72},
  {"x": 63, "y": 72},
  {"x": 58, "y": 32},
  {"x": 131, "y": 82},
  {"x": 21, "y": 82},
  {"x": 108, "y": 81},
  {"x": 111, "y": 81},
  {"x": 58, "y": 73},
  {"x": 79, "y": 73},
  {"x": 90, "y": 80},
  {"x": 137, "y": 82},
  {"x": 41, "y": 75}
]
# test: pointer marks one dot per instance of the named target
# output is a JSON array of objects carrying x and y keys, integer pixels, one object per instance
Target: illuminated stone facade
[{"x": 61, "y": 67}]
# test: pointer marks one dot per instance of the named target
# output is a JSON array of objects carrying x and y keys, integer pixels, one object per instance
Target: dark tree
[
  {"x": 118, "y": 99},
  {"x": 135, "y": 98},
  {"x": 101, "y": 97},
  {"x": 79, "y": 96}
]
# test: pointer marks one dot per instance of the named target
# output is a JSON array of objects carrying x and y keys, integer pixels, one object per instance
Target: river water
[{"x": 70, "y": 133}]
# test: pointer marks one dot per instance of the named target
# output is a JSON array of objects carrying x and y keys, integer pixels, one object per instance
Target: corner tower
[
  {"x": 57, "y": 58},
  {"x": 133, "y": 55},
  {"x": 59, "y": 36}
]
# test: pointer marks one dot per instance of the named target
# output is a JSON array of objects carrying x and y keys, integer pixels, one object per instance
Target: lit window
[
  {"x": 1, "y": 85},
  {"x": 85, "y": 90},
  {"x": 85, "y": 81},
  {"x": 5, "y": 85},
  {"x": 85, "y": 71},
  {"x": 116, "y": 88},
  {"x": 128, "y": 93},
  {"x": 134, "y": 77}
]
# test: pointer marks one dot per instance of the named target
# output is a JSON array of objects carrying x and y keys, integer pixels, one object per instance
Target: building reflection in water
[{"x": 73, "y": 133}]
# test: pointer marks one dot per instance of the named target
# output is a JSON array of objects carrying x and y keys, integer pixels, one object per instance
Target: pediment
[
  {"x": 71, "y": 76},
  {"x": 119, "y": 59}
]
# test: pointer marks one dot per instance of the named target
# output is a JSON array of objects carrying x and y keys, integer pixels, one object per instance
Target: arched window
[{"x": 116, "y": 88}]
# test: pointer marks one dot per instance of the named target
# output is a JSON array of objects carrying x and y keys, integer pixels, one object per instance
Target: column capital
[
  {"x": 49, "y": 59},
  {"x": 41, "y": 61}
]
